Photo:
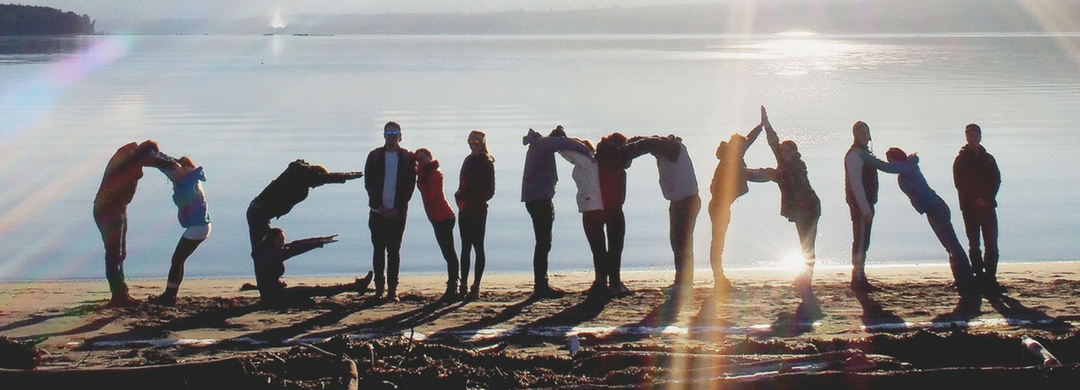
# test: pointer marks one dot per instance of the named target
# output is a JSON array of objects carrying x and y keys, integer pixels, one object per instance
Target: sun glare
[{"x": 792, "y": 262}]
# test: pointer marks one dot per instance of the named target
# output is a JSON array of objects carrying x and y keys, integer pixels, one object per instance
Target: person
[
  {"x": 926, "y": 201},
  {"x": 537, "y": 191},
  {"x": 391, "y": 177},
  {"x": 798, "y": 201},
  {"x": 476, "y": 186},
  {"x": 614, "y": 153},
  {"x": 586, "y": 176},
  {"x": 118, "y": 186},
  {"x": 678, "y": 184},
  {"x": 728, "y": 183},
  {"x": 977, "y": 180},
  {"x": 861, "y": 193},
  {"x": 286, "y": 191},
  {"x": 194, "y": 217},
  {"x": 429, "y": 180},
  {"x": 269, "y": 258}
]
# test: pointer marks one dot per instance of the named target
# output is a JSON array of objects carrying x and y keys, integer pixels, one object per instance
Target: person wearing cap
[
  {"x": 977, "y": 180},
  {"x": 926, "y": 201},
  {"x": 390, "y": 181},
  {"x": 537, "y": 191},
  {"x": 286, "y": 191},
  {"x": 861, "y": 193}
]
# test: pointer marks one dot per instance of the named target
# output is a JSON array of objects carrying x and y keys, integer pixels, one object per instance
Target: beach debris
[
  {"x": 15, "y": 354},
  {"x": 1048, "y": 360}
]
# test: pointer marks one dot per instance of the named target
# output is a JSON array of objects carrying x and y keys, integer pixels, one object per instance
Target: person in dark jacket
[
  {"x": 390, "y": 180},
  {"x": 728, "y": 184},
  {"x": 286, "y": 191},
  {"x": 118, "y": 185},
  {"x": 194, "y": 217},
  {"x": 476, "y": 186},
  {"x": 860, "y": 192},
  {"x": 977, "y": 180},
  {"x": 269, "y": 258},
  {"x": 798, "y": 201},
  {"x": 429, "y": 180},
  {"x": 537, "y": 191}
]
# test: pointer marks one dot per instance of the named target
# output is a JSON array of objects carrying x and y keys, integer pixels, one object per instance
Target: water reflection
[{"x": 16, "y": 50}]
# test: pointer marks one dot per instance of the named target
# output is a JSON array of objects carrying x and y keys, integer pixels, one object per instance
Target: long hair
[{"x": 477, "y": 134}]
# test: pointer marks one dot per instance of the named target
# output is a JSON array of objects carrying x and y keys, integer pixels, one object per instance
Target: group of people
[{"x": 391, "y": 172}]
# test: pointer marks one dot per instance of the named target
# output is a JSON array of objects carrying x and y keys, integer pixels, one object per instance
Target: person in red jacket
[{"x": 429, "y": 180}]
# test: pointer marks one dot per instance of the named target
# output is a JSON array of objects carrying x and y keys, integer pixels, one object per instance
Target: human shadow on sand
[
  {"x": 40, "y": 318},
  {"x": 661, "y": 316},
  {"x": 876, "y": 318},
  {"x": 397, "y": 323},
  {"x": 465, "y": 332},
  {"x": 799, "y": 322},
  {"x": 1016, "y": 314}
]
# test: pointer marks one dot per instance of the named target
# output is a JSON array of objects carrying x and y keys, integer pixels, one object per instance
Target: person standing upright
[
  {"x": 390, "y": 180},
  {"x": 476, "y": 186},
  {"x": 861, "y": 192},
  {"x": 537, "y": 191},
  {"x": 977, "y": 180}
]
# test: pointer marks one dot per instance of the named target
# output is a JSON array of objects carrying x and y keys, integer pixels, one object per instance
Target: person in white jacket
[{"x": 586, "y": 175}]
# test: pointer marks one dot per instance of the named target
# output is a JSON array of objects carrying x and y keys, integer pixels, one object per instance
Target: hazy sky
[{"x": 163, "y": 9}]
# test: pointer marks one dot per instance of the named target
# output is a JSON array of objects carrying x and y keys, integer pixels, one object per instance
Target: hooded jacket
[
  {"x": 911, "y": 180},
  {"x": 587, "y": 177},
  {"x": 429, "y": 180},
  {"x": 190, "y": 199},
  {"x": 540, "y": 176},
  {"x": 476, "y": 184}
]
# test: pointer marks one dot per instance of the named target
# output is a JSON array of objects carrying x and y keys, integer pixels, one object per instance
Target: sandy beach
[{"x": 69, "y": 322}]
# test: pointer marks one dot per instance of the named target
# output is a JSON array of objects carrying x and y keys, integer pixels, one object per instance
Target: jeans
[
  {"x": 615, "y": 221},
  {"x": 860, "y": 243},
  {"x": 982, "y": 221},
  {"x": 941, "y": 221},
  {"x": 593, "y": 223},
  {"x": 473, "y": 227},
  {"x": 542, "y": 213},
  {"x": 444, "y": 235},
  {"x": 112, "y": 222},
  {"x": 386, "y": 236},
  {"x": 721, "y": 218},
  {"x": 258, "y": 223},
  {"x": 682, "y": 214}
]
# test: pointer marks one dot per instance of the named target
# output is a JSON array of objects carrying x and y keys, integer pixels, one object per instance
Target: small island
[{"x": 35, "y": 20}]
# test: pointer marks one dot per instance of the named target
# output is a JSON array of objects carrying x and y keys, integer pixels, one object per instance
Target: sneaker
[
  {"x": 619, "y": 290},
  {"x": 548, "y": 292},
  {"x": 163, "y": 299}
]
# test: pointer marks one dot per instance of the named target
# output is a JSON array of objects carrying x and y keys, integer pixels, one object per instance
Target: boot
[{"x": 450, "y": 295}]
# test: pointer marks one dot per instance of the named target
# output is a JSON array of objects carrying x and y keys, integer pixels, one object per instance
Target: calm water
[{"x": 244, "y": 106}]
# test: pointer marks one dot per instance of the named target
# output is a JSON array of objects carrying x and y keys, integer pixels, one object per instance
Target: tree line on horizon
[{"x": 36, "y": 20}]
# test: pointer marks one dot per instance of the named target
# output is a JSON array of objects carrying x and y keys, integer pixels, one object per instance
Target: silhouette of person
[
  {"x": 798, "y": 201},
  {"x": 194, "y": 217},
  {"x": 678, "y": 184},
  {"x": 476, "y": 186},
  {"x": 728, "y": 183},
  {"x": 537, "y": 191},
  {"x": 118, "y": 185},
  {"x": 977, "y": 179},
  {"x": 391, "y": 177},
  {"x": 586, "y": 176},
  {"x": 429, "y": 180},
  {"x": 269, "y": 258},
  {"x": 926, "y": 201},
  {"x": 614, "y": 155},
  {"x": 286, "y": 191},
  {"x": 861, "y": 193}
]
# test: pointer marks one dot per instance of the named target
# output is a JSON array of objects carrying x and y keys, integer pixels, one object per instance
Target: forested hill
[{"x": 34, "y": 20}]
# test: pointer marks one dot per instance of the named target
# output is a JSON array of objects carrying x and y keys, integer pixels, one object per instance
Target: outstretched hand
[{"x": 328, "y": 239}]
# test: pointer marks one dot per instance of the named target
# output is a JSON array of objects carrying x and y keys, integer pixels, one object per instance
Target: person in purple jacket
[{"x": 537, "y": 191}]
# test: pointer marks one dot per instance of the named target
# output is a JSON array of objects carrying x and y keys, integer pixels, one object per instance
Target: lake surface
[{"x": 245, "y": 106}]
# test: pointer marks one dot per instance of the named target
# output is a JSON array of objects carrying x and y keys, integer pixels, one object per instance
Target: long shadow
[
  {"x": 1019, "y": 315},
  {"x": 801, "y": 321},
  {"x": 85, "y": 328},
  {"x": 470, "y": 330},
  {"x": 396, "y": 323},
  {"x": 663, "y": 315},
  {"x": 876, "y": 318},
  {"x": 37, "y": 318}
]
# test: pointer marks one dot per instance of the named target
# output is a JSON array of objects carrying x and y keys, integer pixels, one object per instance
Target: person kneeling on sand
[
  {"x": 269, "y": 256},
  {"x": 926, "y": 201}
]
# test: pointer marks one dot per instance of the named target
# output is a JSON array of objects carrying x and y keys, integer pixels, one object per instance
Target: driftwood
[
  {"x": 600, "y": 363},
  {"x": 230, "y": 373}
]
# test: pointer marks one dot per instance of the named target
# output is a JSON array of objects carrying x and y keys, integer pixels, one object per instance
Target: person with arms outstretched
[
  {"x": 678, "y": 184},
  {"x": 586, "y": 176},
  {"x": 269, "y": 258},
  {"x": 286, "y": 191},
  {"x": 194, "y": 217},
  {"x": 977, "y": 180},
  {"x": 728, "y": 184}
]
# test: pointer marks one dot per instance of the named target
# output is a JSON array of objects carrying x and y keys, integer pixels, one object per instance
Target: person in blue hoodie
[
  {"x": 926, "y": 201},
  {"x": 194, "y": 217}
]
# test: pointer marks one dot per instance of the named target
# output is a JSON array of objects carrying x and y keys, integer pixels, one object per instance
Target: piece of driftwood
[
  {"x": 602, "y": 362},
  {"x": 231, "y": 373}
]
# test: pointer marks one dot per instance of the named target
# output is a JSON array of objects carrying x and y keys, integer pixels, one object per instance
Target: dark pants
[
  {"x": 444, "y": 235},
  {"x": 807, "y": 225},
  {"x": 683, "y": 216},
  {"x": 184, "y": 248},
  {"x": 860, "y": 243},
  {"x": 543, "y": 217},
  {"x": 112, "y": 222},
  {"x": 386, "y": 234},
  {"x": 258, "y": 223},
  {"x": 940, "y": 219},
  {"x": 720, "y": 214},
  {"x": 982, "y": 223},
  {"x": 615, "y": 221},
  {"x": 472, "y": 228},
  {"x": 593, "y": 223}
]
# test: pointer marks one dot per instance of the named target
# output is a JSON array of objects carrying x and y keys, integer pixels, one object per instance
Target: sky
[{"x": 183, "y": 9}]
